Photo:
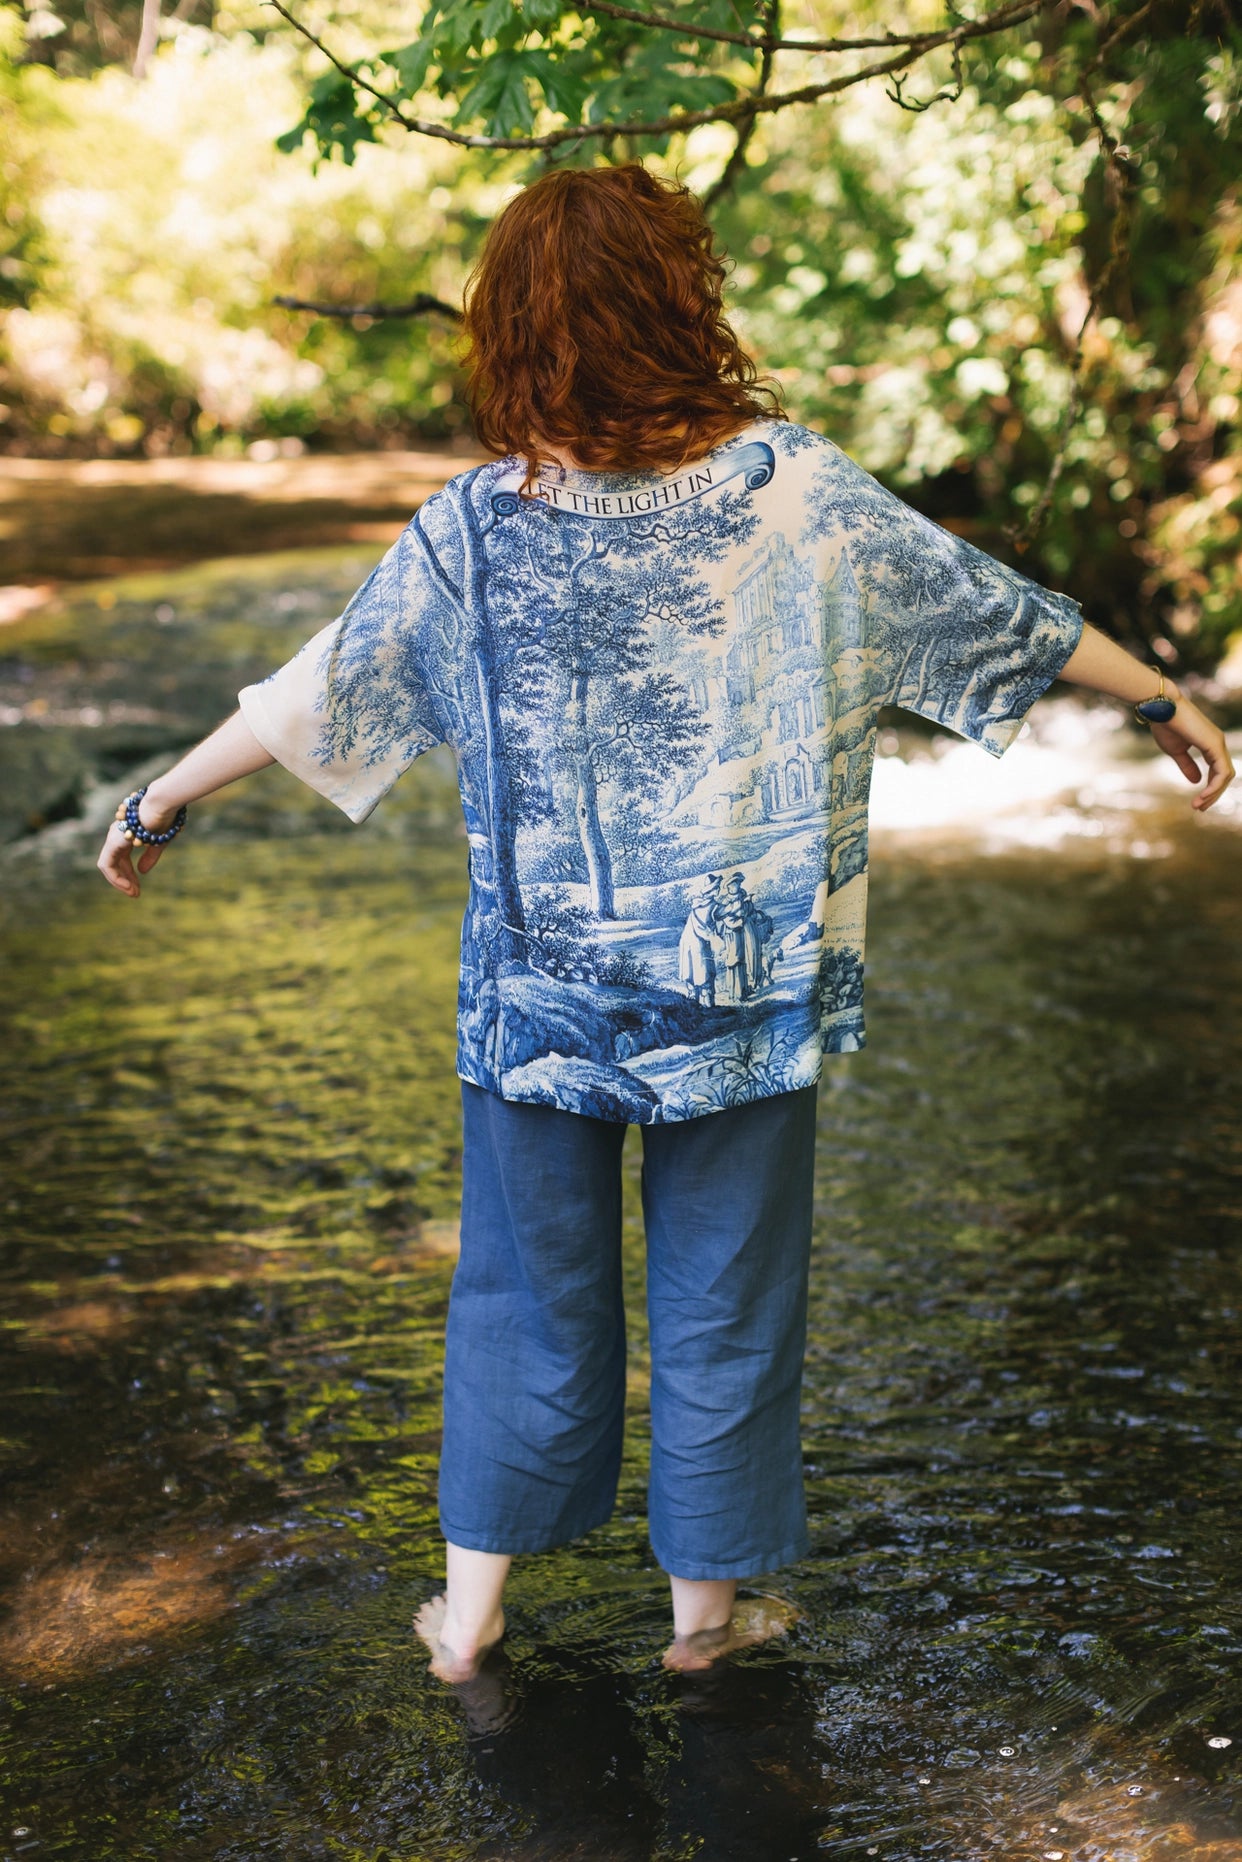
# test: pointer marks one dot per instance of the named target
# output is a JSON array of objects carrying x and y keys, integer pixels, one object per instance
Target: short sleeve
[
  {"x": 351, "y": 710},
  {"x": 961, "y": 638}
]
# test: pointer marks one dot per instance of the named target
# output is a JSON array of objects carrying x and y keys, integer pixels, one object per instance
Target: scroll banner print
[{"x": 755, "y": 462}]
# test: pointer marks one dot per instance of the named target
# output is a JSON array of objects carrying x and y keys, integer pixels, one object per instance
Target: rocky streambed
[
  {"x": 230, "y": 1168},
  {"x": 109, "y": 682}
]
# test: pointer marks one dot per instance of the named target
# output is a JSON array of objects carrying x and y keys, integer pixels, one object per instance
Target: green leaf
[
  {"x": 331, "y": 88},
  {"x": 635, "y": 96},
  {"x": 412, "y": 63},
  {"x": 457, "y": 25},
  {"x": 563, "y": 87},
  {"x": 333, "y": 119},
  {"x": 501, "y": 94},
  {"x": 495, "y": 16}
]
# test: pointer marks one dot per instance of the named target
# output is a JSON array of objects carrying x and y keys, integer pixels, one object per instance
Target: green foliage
[
  {"x": 916, "y": 281},
  {"x": 149, "y": 226},
  {"x": 332, "y": 119},
  {"x": 26, "y": 108},
  {"x": 500, "y": 66},
  {"x": 942, "y": 285},
  {"x": 919, "y": 282}
]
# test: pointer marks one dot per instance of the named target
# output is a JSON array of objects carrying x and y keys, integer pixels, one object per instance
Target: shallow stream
[{"x": 230, "y": 1168}]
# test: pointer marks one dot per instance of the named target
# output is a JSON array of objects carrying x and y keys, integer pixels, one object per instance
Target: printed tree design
[
  {"x": 639, "y": 837},
  {"x": 585, "y": 651},
  {"x": 951, "y": 632},
  {"x": 464, "y": 634},
  {"x": 557, "y": 636}
]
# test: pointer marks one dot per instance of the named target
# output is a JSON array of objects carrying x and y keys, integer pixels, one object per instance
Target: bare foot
[
  {"x": 754, "y": 1620},
  {"x": 455, "y": 1656}
]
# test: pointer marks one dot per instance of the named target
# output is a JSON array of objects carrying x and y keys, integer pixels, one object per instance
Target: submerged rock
[
  {"x": 124, "y": 676},
  {"x": 44, "y": 771}
]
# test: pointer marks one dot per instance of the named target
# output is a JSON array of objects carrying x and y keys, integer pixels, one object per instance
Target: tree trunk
[
  {"x": 148, "y": 37},
  {"x": 590, "y": 827},
  {"x": 511, "y": 943},
  {"x": 595, "y": 847}
]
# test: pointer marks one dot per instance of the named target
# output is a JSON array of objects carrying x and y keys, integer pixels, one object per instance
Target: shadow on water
[{"x": 230, "y": 1176}]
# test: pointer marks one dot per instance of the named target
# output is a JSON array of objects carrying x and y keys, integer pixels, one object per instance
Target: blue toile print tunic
[{"x": 662, "y": 696}]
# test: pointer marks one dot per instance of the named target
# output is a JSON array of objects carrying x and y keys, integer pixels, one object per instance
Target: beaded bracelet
[{"x": 132, "y": 828}]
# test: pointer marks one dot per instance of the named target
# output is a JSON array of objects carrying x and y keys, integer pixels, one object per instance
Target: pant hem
[
  {"x": 522, "y": 1543},
  {"x": 739, "y": 1569}
]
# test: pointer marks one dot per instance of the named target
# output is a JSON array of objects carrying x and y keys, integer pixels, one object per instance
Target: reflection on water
[
  {"x": 1077, "y": 770},
  {"x": 230, "y": 1175}
]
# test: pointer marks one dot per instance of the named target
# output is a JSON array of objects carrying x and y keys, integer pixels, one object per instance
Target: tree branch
[
  {"x": 738, "y": 111},
  {"x": 723, "y": 183},
  {"x": 946, "y": 94},
  {"x": 347, "y": 71},
  {"x": 422, "y": 305},
  {"x": 771, "y": 40},
  {"x": 1114, "y": 38},
  {"x": 685, "y": 29}
]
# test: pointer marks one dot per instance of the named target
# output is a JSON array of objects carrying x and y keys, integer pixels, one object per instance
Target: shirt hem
[{"x": 665, "y": 1114}]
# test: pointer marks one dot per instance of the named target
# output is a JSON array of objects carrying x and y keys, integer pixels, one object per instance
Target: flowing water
[{"x": 230, "y": 1168}]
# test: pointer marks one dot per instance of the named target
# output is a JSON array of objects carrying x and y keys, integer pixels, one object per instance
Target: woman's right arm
[{"x": 229, "y": 753}]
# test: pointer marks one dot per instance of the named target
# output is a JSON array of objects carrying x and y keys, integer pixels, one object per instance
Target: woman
[{"x": 609, "y": 624}]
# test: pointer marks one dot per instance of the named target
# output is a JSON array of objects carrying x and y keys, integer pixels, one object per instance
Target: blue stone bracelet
[
  {"x": 132, "y": 828},
  {"x": 1157, "y": 710}
]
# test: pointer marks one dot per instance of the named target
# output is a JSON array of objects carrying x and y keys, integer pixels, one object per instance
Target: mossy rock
[{"x": 45, "y": 772}]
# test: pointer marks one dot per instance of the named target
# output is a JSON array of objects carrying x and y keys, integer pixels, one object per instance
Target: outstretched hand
[
  {"x": 1186, "y": 731},
  {"x": 116, "y": 859},
  {"x": 232, "y": 751}
]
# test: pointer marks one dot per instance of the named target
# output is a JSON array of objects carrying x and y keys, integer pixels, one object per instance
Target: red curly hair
[{"x": 595, "y": 325}]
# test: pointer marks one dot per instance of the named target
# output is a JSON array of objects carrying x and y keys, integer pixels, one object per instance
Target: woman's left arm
[
  {"x": 1100, "y": 664},
  {"x": 229, "y": 753}
]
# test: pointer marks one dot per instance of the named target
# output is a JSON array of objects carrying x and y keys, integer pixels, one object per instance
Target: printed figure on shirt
[
  {"x": 744, "y": 930},
  {"x": 696, "y": 953}
]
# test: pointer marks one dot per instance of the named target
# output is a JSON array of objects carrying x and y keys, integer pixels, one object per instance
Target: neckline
[{"x": 606, "y": 480}]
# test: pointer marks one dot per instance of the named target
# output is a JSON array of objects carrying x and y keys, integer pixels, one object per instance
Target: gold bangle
[{"x": 1157, "y": 710}]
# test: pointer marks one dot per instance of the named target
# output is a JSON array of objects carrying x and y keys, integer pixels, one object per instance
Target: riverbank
[{"x": 74, "y": 520}]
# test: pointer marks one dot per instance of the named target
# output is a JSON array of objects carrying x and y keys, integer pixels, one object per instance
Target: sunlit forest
[{"x": 914, "y": 278}]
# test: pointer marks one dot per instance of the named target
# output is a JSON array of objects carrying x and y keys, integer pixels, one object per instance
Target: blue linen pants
[{"x": 535, "y": 1350}]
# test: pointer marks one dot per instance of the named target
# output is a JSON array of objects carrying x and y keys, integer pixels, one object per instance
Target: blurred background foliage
[{"x": 916, "y": 279}]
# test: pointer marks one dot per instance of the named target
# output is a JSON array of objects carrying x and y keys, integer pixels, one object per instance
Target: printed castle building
[{"x": 769, "y": 675}]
